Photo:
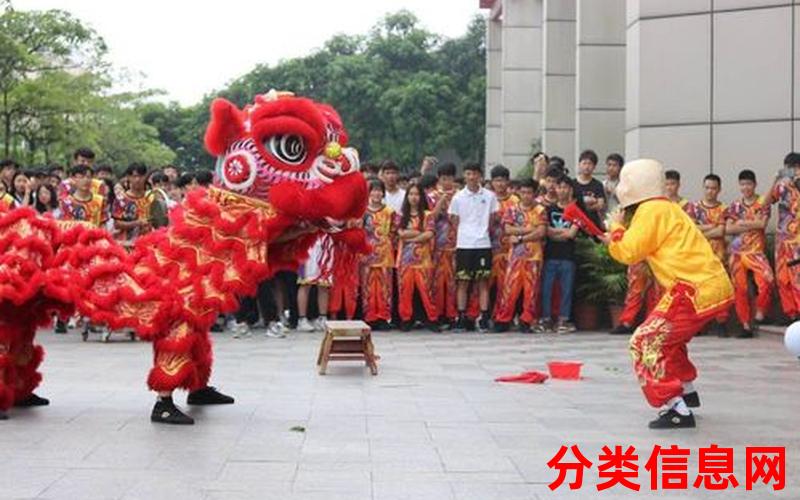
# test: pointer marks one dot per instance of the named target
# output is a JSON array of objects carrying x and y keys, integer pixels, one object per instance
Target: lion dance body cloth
[{"x": 282, "y": 164}]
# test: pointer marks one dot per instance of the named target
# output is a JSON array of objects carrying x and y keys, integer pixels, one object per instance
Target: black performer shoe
[
  {"x": 208, "y": 396},
  {"x": 32, "y": 400},
  {"x": 61, "y": 327},
  {"x": 3, "y": 415},
  {"x": 483, "y": 323},
  {"x": 165, "y": 412},
  {"x": 433, "y": 326},
  {"x": 671, "y": 419},
  {"x": 692, "y": 399},
  {"x": 501, "y": 327},
  {"x": 525, "y": 327},
  {"x": 622, "y": 330},
  {"x": 746, "y": 333}
]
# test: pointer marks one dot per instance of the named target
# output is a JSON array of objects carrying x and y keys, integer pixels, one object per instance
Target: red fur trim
[
  {"x": 617, "y": 235},
  {"x": 225, "y": 126},
  {"x": 345, "y": 198}
]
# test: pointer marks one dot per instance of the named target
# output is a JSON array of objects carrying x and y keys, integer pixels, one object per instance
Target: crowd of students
[
  {"x": 129, "y": 206},
  {"x": 449, "y": 251}
]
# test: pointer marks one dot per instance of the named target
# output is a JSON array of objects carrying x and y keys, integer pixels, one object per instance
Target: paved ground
[{"x": 432, "y": 425}]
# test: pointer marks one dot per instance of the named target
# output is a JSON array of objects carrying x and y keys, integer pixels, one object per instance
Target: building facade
[{"x": 702, "y": 85}]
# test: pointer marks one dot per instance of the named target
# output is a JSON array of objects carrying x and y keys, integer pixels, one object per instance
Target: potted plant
[{"x": 602, "y": 283}]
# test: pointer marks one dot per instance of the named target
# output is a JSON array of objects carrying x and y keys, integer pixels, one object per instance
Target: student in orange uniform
[
  {"x": 786, "y": 193},
  {"x": 650, "y": 228},
  {"x": 131, "y": 211},
  {"x": 6, "y": 200},
  {"x": 415, "y": 259},
  {"x": 380, "y": 224},
  {"x": 501, "y": 244},
  {"x": 444, "y": 249},
  {"x": 525, "y": 226},
  {"x": 746, "y": 220},
  {"x": 344, "y": 289},
  {"x": 83, "y": 205},
  {"x": 709, "y": 215},
  {"x": 673, "y": 187},
  {"x": 642, "y": 291}
]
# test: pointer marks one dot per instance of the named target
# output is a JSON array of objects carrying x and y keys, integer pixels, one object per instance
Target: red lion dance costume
[
  {"x": 283, "y": 174},
  {"x": 695, "y": 283}
]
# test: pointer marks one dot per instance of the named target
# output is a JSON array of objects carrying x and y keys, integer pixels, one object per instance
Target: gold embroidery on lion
[{"x": 171, "y": 363}]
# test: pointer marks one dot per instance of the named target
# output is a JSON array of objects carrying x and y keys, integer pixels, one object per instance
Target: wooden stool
[{"x": 347, "y": 341}]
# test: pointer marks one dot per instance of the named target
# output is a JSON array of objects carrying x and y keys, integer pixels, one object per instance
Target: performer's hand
[
  {"x": 616, "y": 216},
  {"x": 604, "y": 238}
]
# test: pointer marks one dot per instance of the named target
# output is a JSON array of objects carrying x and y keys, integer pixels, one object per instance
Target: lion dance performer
[
  {"x": 696, "y": 288},
  {"x": 283, "y": 176}
]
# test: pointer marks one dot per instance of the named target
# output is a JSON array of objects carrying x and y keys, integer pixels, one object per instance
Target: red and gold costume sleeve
[
  {"x": 755, "y": 240},
  {"x": 676, "y": 251},
  {"x": 6, "y": 201},
  {"x": 381, "y": 230}
]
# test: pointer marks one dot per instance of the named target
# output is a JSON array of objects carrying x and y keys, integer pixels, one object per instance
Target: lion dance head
[{"x": 292, "y": 153}]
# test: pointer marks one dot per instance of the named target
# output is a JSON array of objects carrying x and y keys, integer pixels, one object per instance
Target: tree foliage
[
  {"x": 403, "y": 92},
  {"x": 55, "y": 94}
]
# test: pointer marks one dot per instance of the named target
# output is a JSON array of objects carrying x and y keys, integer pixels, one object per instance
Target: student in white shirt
[
  {"x": 473, "y": 210},
  {"x": 390, "y": 175}
]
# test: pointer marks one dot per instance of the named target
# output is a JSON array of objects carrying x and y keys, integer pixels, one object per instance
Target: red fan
[{"x": 575, "y": 215}]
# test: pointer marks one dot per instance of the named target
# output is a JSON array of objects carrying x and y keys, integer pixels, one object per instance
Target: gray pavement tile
[{"x": 433, "y": 424}]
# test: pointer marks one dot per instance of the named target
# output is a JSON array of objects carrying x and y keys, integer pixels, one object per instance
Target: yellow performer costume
[{"x": 697, "y": 288}]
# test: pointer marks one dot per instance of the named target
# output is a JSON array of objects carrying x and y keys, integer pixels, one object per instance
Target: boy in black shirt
[
  {"x": 588, "y": 189},
  {"x": 559, "y": 260}
]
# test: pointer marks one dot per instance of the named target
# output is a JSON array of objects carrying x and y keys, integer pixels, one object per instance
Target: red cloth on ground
[{"x": 532, "y": 377}]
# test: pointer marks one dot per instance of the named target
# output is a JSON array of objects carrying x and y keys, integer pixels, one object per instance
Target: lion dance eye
[{"x": 290, "y": 149}]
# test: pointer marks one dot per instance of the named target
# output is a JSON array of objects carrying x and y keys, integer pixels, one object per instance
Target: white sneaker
[
  {"x": 275, "y": 330},
  {"x": 303, "y": 325},
  {"x": 321, "y": 324},
  {"x": 286, "y": 318},
  {"x": 240, "y": 330}
]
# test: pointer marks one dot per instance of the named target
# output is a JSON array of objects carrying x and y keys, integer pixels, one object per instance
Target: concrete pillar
[
  {"x": 494, "y": 92},
  {"x": 600, "y": 80},
  {"x": 521, "y": 56},
  {"x": 718, "y": 98},
  {"x": 558, "y": 123}
]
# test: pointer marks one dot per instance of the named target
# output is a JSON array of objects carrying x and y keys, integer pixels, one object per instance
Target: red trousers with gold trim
[
  {"x": 410, "y": 279},
  {"x": 522, "y": 278},
  {"x": 787, "y": 278},
  {"x": 499, "y": 270},
  {"x": 444, "y": 284},
  {"x": 19, "y": 362},
  {"x": 376, "y": 293},
  {"x": 659, "y": 345},
  {"x": 643, "y": 291},
  {"x": 344, "y": 296},
  {"x": 756, "y": 263},
  {"x": 182, "y": 359}
]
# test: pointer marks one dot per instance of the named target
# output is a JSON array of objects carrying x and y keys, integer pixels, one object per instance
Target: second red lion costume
[{"x": 696, "y": 288}]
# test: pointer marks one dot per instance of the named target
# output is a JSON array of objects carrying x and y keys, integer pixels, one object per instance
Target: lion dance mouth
[{"x": 282, "y": 163}]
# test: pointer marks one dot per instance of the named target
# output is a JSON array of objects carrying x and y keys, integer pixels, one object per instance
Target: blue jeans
[{"x": 564, "y": 272}]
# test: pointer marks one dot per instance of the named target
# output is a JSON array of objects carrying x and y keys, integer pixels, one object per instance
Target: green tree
[
  {"x": 403, "y": 92},
  {"x": 33, "y": 43}
]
